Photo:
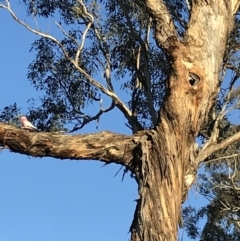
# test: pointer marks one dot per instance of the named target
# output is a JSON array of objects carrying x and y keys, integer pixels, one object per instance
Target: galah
[{"x": 27, "y": 124}]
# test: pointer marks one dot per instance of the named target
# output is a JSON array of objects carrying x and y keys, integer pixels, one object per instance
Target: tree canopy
[{"x": 117, "y": 47}]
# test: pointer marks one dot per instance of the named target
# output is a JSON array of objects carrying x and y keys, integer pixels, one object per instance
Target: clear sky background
[{"x": 49, "y": 199}]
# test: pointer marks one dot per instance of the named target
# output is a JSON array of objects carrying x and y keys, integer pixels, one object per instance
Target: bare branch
[
  {"x": 210, "y": 149},
  {"x": 66, "y": 34},
  {"x": 221, "y": 114},
  {"x": 106, "y": 54},
  {"x": 84, "y": 9},
  {"x": 221, "y": 158},
  {"x": 7, "y": 7},
  {"x": 104, "y": 146},
  {"x": 148, "y": 31},
  {"x": 144, "y": 47},
  {"x": 188, "y": 4},
  {"x": 95, "y": 117}
]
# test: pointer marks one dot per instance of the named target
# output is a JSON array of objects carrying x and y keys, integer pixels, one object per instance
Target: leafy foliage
[
  {"x": 221, "y": 187},
  {"x": 122, "y": 35},
  {"x": 9, "y": 114}
]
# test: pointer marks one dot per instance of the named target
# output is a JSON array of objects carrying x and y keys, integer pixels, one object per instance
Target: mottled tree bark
[
  {"x": 191, "y": 91},
  {"x": 163, "y": 159}
]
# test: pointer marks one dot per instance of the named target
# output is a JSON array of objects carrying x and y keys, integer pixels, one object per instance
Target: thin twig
[{"x": 220, "y": 158}]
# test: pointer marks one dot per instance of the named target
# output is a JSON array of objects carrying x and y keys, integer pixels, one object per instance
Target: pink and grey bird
[{"x": 27, "y": 124}]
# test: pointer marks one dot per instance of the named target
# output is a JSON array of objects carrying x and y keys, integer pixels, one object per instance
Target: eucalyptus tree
[{"x": 171, "y": 57}]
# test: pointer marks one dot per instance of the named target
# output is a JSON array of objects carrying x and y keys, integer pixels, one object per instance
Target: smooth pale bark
[{"x": 161, "y": 160}]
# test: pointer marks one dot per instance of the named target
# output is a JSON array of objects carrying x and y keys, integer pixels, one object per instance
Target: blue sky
[{"x": 49, "y": 199}]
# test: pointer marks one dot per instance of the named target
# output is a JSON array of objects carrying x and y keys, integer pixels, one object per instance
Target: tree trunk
[
  {"x": 168, "y": 153},
  {"x": 160, "y": 188},
  {"x": 161, "y": 184}
]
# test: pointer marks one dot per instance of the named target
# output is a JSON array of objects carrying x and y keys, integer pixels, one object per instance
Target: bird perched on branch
[{"x": 27, "y": 124}]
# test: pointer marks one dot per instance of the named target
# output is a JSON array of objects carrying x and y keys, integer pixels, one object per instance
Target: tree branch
[
  {"x": 144, "y": 47},
  {"x": 121, "y": 106},
  {"x": 209, "y": 150},
  {"x": 235, "y": 6},
  {"x": 85, "y": 12},
  {"x": 88, "y": 119},
  {"x": 165, "y": 32},
  {"x": 104, "y": 146},
  {"x": 221, "y": 158},
  {"x": 223, "y": 112}
]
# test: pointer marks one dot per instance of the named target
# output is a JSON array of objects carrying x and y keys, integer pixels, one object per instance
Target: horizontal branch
[{"x": 104, "y": 146}]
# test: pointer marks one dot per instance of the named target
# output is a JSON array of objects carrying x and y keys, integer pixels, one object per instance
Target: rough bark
[
  {"x": 163, "y": 160},
  {"x": 103, "y": 146},
  {"x": 191, "y": 91}
]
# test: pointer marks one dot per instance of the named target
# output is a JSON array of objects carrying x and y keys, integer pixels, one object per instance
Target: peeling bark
[
  {"x": 103, "y": 146},
  {"x": 165, "y": 32},
  {"x": 191, "y": 91},
  {"x": 160, "y": 183}
]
